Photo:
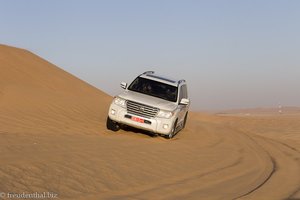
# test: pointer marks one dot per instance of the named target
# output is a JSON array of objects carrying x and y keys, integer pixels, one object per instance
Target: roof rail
[
  {"x": 181, "y": 81},
  {"x": 149, "y": 72}
]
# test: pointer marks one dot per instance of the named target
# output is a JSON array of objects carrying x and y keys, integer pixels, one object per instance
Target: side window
[
  {"x": 181, "y": 93},
  {"x": 184, "y": 91}
]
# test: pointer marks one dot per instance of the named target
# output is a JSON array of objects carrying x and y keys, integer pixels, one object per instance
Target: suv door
[{"x": 182, "y": 108}]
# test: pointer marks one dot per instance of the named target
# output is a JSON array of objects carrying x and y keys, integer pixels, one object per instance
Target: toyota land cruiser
[{"x": 151, "y": 102}]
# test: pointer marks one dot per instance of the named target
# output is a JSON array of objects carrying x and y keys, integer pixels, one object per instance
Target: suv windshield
[{"x": 154, "y": 88}]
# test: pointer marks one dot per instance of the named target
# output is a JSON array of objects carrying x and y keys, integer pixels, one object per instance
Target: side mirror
[
  {"x": 123, "y": 85},
  {"x": 184, "y": 102}
]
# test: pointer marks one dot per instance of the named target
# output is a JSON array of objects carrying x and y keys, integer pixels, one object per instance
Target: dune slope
[
  {"x": 53, "y": 139},
  {"x": 36, "y": 96}
]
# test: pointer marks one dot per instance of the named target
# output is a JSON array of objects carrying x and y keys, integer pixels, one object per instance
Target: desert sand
[{"x": 53, "y": 138}]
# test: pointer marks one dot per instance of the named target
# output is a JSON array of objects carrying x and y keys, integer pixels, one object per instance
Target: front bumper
[{"x": 155, "y": 125}]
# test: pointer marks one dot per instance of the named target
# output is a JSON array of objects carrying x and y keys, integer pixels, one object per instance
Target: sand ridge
[{"x": 53, "y": 138}]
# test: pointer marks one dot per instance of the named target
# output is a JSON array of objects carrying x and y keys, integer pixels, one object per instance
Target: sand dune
[
  {"x": 286, "y": 110},
  {"x": 53, "y": 139},
  {"x": 36, "y": 95}
]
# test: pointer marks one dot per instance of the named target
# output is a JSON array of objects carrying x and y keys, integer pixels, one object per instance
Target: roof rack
[
  {"x": 149, "y": 72},
  {"x": 181, "y": 81}
]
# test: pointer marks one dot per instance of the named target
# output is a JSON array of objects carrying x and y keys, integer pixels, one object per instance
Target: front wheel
[
  {"x": 172, "y": 132},
  {"x": 185, "y": 119},
  {"x": 112, "y": 125}
]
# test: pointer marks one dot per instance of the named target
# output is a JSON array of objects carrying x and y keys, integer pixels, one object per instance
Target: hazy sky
[{"x": 233, "y": 54}]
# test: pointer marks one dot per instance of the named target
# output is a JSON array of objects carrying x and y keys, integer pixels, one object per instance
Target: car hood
[{"x": 148, "y": 100}]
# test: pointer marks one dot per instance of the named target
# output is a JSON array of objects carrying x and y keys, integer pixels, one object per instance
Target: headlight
[
  {"x": 120, "y": 102},
  {"x": 164, "y": 114}
]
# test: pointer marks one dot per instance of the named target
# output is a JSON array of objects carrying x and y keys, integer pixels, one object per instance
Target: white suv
[{"x": 151, "y": 102}]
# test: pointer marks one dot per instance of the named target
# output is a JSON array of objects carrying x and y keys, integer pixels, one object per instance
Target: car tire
[
  {"x": 112, "y": 125},
  {"x": 185, "y": 119},
  {"x": 172, "y": 132}
]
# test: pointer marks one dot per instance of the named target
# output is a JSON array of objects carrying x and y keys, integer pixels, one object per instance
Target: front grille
[{"x": 141, "y": 109}]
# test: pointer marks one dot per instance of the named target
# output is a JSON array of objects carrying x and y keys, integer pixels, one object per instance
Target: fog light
[
  {"x": 113, "y": 112},
  {"x": 165, "y": 126}
]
